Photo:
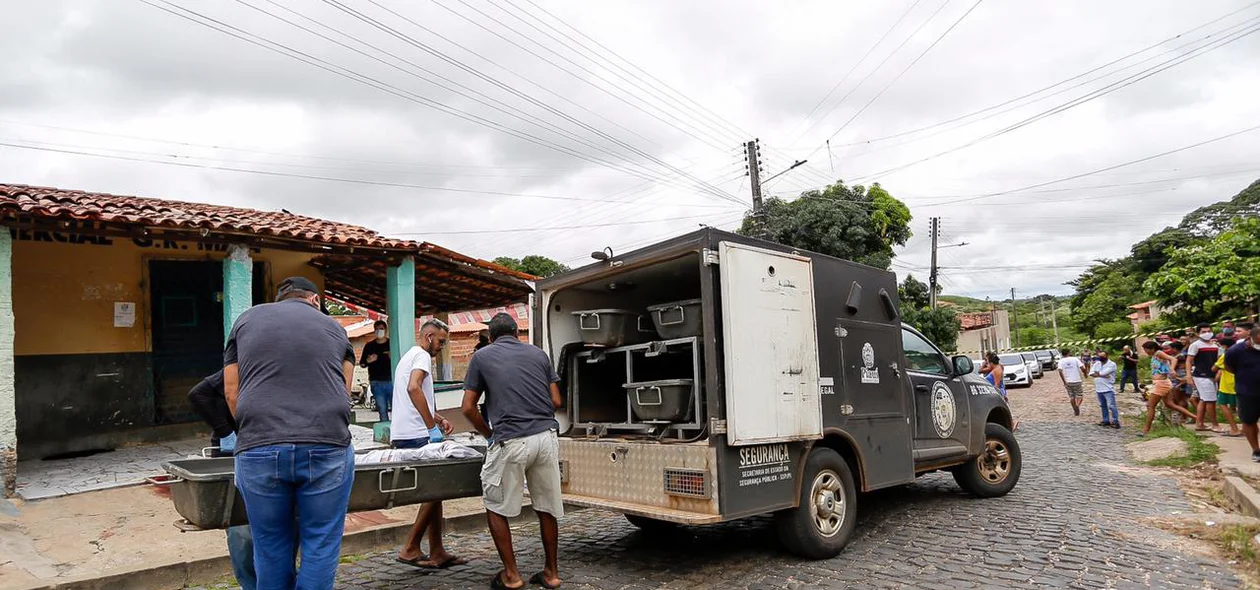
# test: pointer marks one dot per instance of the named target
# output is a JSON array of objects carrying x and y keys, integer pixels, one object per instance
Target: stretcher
[{"x": 205, "y": 495}]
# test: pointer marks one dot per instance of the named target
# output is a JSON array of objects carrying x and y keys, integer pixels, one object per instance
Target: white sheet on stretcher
[{"x": 447, "y": 449}]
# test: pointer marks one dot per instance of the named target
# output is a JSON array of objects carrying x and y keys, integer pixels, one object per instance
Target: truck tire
[
  {"x": 650, "y": 525},
  {"x": 996, "y": 470},
  {"x": 820, "y": 526}
]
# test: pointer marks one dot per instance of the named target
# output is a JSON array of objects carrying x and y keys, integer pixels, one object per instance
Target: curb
[
  {"x": 212, "y": 569},
  {"x": 1241, "y": 492}
]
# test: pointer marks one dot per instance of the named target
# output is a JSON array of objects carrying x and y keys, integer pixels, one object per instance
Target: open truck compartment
[{"x": 631, "y": 351}]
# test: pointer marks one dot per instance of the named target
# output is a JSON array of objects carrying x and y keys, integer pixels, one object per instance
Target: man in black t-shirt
[
  {"x": 1128, "y": 373},
  {"x": 380, "y": 372}
]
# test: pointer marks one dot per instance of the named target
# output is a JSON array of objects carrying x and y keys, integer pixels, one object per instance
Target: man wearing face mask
[
  {"x": 376, "y": 359},
  {"x": 416, "y": 424},
  {"x": 1104, "y": 373},
  {"x": 1243, "y": 360},
  {"x": 1200, "y": 358}
]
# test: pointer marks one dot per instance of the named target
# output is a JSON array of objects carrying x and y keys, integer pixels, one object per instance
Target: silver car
[
  {"x": 1034, "y": 365},
  {"x": 1016, "y": 370}
]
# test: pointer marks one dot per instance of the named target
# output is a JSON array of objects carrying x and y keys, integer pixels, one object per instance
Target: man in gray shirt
[
  {"x": 286, "y": 376},
  {"x": 522, "y": 395}
]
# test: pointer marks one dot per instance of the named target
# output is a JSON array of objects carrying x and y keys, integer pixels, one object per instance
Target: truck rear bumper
[{"x": 666, "y": 514}]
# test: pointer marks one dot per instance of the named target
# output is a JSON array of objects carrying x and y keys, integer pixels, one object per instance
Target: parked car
[
  {"x": 1034, "y": 365},
  {"x": 1048, "y": 362},
  {"x": 1016, "y": 370}
]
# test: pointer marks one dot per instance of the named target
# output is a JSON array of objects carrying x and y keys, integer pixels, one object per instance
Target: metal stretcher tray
[{"x": 205, "y": 494}]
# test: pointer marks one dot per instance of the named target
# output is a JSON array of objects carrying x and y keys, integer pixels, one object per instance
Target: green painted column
[
  {"x": 400, "y": 304},
  {"x": 238, "y": 286},
  {"x": 8, "y": 396}
]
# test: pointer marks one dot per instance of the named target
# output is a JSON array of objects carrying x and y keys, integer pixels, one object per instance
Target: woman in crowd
[{"x": 1161, "y": 385}]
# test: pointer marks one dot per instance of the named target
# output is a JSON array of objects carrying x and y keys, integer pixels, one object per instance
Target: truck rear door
[{"x": 771, "y": 346}]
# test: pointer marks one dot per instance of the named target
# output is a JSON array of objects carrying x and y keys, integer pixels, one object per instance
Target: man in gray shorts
[
  {"x": 522, "y": 394},
  {"x": 1072, "y": 371}
]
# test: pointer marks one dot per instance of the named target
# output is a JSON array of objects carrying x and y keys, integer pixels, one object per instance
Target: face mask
[
  {"x": 380, "y": 333},
  {"x": 1205, "y": 336},
  {"x": 1255, "y": 345}
]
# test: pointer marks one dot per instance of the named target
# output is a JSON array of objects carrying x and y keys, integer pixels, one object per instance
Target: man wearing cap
[
  {"x": 287, "y": 374},
  {"x": 522, "y": 395}
]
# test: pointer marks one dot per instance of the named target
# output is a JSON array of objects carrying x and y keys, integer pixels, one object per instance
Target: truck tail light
[{"x": 692, "y": 483}]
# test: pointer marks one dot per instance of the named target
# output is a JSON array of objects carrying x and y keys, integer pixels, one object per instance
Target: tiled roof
[
  {"x": 54, "y": 203},
  {"x": 1143, "y": 305},
  {"x": 971, "y": 321}
]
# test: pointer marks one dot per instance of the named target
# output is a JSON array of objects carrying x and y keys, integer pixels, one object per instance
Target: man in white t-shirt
[
  {"x": 415, "y": 424},
  {"x": 1072, "y": 371}
]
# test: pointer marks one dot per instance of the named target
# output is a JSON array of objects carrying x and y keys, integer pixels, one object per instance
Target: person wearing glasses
[{"x": 416, "y": 424}]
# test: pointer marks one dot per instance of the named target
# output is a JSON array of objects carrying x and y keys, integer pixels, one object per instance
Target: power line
[
  {"x": 305, "y": 176},
  {"x": 1113, "y": 167},
  {"x": 1074, "y": 102},
  {"x": 538, "y": 229},
  {"x": 846, "y": 75},
  {"x": 1059, "y": 83},
  {"x": 868, "y": 75}
]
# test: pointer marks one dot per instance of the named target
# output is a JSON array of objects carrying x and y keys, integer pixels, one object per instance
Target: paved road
[{"x": 1076, "y": 520}]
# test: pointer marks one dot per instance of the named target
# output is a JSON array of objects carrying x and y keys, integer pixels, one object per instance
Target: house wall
[
  {"x": 462, "y": 345},
  {"x": 995, "y": 337},
  {"x": 76, "y": 372}
]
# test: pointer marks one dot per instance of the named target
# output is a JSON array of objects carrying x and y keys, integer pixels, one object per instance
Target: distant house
[
  {"x": 1143, "y": 313},
  {"x": 984, "y": 331}
]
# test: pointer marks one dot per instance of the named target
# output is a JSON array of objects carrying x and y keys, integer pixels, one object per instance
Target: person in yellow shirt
[{"x": 1225, "y": 387}]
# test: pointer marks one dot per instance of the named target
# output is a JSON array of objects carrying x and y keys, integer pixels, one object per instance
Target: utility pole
[
  {"x": 1014, "y": 318},
  {"x": 1054, "y": 320},
  {"x": 752, "y": 155},
  {"x": 935, "y": 231}
]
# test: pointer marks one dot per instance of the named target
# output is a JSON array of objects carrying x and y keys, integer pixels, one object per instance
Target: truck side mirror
[{"x": 963, "y": 365}]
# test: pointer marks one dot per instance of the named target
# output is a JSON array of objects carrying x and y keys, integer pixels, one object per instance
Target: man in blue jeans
[
  {"x": 1104, "y": 373},
  {"x": 376, "y": 359},
  {"x": 287, "y": 374}
]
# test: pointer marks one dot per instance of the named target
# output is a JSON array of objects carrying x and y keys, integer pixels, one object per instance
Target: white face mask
[
  {"x": 1255, "y": 345},
  {"x": 380, "y": 333},
  {"x": 1205, "y": 336}
]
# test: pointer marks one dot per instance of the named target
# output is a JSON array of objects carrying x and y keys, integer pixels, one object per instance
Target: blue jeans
[
  {"x": 241, "y": 549},
  {"x": 310, "y": 483},
  {"x": 1107, "y": 399},
  {"x": 383, "y": 392},
  {"x": 1129, "y": 376}
]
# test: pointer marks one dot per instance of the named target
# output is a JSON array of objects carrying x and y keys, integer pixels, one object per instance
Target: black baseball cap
[{"x": 300, "y": 284}]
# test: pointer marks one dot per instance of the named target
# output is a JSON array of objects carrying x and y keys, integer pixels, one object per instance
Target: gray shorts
[
  {"x": 1075, "y": 390},
  {"x": 509, "y": 464}
]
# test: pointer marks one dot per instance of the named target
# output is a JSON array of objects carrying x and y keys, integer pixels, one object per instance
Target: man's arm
[
  {"x": 231, "y": 386},
  {"x": 347, "y": 369},
  {"x": 469, "y": 409},
  {"x": 1107, "y": 370},
  {"x": 415, "y": 391},
  {"x": 556, "y": 399},
  {"x": 207, "y": 399}
]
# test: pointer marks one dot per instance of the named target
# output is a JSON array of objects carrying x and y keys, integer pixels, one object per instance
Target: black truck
[{"x": 713, "y": 377}]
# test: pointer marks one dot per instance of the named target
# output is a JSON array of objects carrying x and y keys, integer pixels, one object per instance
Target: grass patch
[
  {"x": 348, "y": 559},
  {"x": 1236, "y": 541},
  {"x": 1200, "y": 450}
]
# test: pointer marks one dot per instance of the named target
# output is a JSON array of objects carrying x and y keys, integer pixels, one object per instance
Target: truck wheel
[
  {"x": 820, "y": 526},
  {"x": 996, "y": 470},
  {"x": 650, "y": 525}
]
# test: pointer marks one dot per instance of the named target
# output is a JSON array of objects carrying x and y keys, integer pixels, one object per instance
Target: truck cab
[{"x": 714, "y": 377}]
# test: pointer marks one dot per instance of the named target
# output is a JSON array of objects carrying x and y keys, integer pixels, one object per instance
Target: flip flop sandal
[
  {"x": 539, "y": 580},
  {"x": 416, "y": 563},
  {"x": 452, "y": 562},
  {"x": 496, "y": 583}
]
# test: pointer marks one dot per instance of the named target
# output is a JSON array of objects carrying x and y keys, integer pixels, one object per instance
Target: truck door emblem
[
  {"x": 944, "y": 412},
  {"x": 869, "y": 373}
]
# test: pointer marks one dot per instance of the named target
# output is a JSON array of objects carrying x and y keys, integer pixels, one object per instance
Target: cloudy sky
[{"x": 617, "y": 123}]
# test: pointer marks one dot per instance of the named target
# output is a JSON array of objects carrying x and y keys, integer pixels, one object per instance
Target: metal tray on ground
[{"x": 205, "y": 494}]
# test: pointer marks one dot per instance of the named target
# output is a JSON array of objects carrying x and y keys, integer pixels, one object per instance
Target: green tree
[
  {"x": 1216, "y": 218},
  {"x": 1149, "y": 255},
  {"x": 1114, "y": 330},
  {"x": 1103, "y": 294},
  {"x": 940, "y": 325},
  {"x": 852, "y": 223},
  {"x": 1214, "y": 278},
  {"x": 539, "y": 266},
  {"x": 913, "y": 293},
  {"x": 1035, "y": 336}
]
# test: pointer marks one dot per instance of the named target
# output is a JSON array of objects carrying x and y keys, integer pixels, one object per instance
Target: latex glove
[
  {"x": 435, "y": 434},
  {"x": 227, "y": 444}
]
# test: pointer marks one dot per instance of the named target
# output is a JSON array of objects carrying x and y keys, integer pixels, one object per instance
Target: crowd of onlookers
[{"x": 1192, "y": 375}]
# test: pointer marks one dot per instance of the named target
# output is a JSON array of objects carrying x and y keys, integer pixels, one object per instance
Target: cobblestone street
[{"x": 1077, "y": 519}]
